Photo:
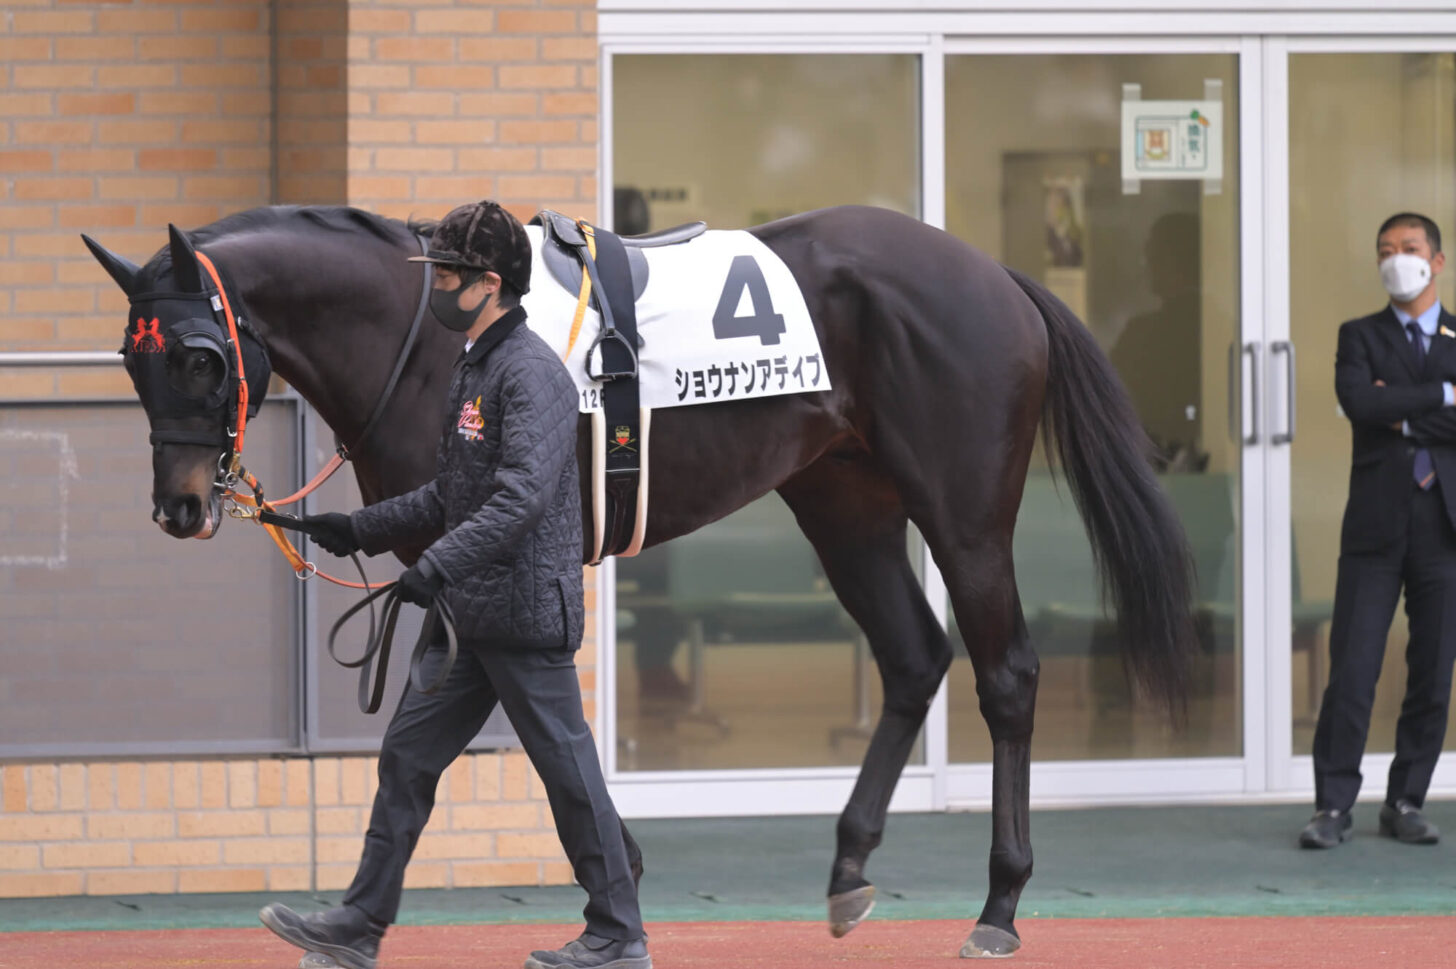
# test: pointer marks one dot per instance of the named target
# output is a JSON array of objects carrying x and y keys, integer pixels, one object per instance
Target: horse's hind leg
[
  {"x": 989, "y": 610},
  {"x": 853, "y": 517}
]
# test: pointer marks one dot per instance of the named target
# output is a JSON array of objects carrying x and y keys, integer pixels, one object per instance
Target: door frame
[{"x": 1288, "y": 775}]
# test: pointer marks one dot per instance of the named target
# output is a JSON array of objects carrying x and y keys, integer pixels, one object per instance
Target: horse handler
[{"x": 504, "y": 514}]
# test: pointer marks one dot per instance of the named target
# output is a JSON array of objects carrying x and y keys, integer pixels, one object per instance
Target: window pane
[
  {"x": 116, "y": 637},
  {"x": 1033, "y": 176},
  {"x": 1369, "y": 135},
  {"x": 732, "y": 652}
]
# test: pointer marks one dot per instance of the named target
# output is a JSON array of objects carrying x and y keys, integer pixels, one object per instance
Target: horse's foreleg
[
  {"x": 1006, "y": 679},
  {"x": 855, "y": 523}
]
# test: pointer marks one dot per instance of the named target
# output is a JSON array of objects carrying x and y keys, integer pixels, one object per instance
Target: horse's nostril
[{"x": 183, "y": 512}]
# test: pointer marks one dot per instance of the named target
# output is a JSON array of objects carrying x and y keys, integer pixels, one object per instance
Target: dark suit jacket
[{"x": 1375, "y": 348}]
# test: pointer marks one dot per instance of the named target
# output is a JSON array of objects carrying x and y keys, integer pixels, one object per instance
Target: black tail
[{"x": 1137, "y": 539}]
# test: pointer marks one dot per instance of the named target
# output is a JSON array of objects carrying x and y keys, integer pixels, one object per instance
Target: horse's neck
[{"x": 332, "y": 325}]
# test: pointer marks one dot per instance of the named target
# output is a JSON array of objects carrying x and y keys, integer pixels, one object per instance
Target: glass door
[
  {"x": 1036, "y": 148},
  {"x": 1371, "y": 132}
]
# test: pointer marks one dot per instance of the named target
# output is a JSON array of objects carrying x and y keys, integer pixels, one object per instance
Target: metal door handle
[
  {"x": 1287, "y": 348},
  {"x": 1251, "y": 352}
]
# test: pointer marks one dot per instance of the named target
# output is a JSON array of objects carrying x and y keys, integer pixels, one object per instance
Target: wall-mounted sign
[{"x": 1172, "y": 139}]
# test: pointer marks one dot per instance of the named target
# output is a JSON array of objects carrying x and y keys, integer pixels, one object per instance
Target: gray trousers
[{"x": 542, "y": 697}]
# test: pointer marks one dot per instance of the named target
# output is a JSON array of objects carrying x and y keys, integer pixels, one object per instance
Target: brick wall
[
  {"x": 452, "y": 102},
  {"x": 259, "y": 825},
  {"x": 119, "y": 117}
]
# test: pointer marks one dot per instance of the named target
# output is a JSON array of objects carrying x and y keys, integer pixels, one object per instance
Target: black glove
[
  {"x": 419, "y": 583},
  {"x": 332, "y": 532}
]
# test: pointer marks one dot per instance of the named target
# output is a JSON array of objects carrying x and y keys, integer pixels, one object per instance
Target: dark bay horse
[{"x": 943, "y": 365}]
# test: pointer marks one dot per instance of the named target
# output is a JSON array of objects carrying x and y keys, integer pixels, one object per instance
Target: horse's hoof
[
  {"x": 317, "y": 960},
  {"x": 848, "y": 909},
  {"x": 989, "y": 942}
]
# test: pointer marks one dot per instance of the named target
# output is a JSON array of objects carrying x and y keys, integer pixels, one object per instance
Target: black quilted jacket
[{"x": 504, "y": 496}]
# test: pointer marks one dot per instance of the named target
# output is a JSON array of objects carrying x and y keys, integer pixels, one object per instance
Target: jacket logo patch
[
  {"x": 147, "y": 337},
  {"x": 471, "y": 423}
]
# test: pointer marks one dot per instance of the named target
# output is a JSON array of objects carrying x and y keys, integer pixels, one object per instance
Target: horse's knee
[{"x": 909, "y": 692}]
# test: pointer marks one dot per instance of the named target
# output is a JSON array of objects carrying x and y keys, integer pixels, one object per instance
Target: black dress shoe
[
  {"x": 345, "y": 934},
  {"x": 1326, "y": 829},
  {"x": 593, "y": 952},
  {"x": 1403, "y": 821}
]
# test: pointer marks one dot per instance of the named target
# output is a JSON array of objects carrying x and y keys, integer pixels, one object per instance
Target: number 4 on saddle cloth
[{"x": 690, "y": 316}]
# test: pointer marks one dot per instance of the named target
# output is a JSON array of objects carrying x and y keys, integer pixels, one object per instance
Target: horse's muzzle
[{"x": 187, "y": 516}]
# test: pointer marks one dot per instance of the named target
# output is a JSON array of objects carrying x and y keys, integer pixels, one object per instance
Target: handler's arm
[{"x": 413, "y": 518}]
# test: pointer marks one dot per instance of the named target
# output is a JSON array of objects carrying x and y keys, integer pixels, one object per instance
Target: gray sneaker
[{"x": 593, "y": 952}]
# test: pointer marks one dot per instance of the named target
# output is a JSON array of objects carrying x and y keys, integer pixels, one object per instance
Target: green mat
[{"x": 1106, "y": 862}]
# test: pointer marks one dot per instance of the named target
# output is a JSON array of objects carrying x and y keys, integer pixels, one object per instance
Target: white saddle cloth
[{"x": 721, "y": 319}]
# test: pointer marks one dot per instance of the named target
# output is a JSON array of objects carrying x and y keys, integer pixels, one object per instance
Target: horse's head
[{"x": 182, "y": 352}]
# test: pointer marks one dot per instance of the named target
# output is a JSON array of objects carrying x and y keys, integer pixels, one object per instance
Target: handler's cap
[{"x": 482, "y": 235}]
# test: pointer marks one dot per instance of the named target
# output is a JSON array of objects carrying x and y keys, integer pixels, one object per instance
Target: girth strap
[{"x": 617, "y": 344}]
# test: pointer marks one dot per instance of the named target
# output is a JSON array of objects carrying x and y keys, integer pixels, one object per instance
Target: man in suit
[{"x": 1394, "y": 375}]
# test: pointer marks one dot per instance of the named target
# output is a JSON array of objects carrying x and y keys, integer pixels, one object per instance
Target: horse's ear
[
  {"x": 124, "y": 271},
  {"x": 184, "y": 261}
]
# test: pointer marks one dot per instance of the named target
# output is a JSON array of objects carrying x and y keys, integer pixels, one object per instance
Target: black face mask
[{"x": 445, "y": 305}]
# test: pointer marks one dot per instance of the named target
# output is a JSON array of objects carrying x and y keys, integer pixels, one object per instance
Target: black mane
[{"x": 327, "y": 218}]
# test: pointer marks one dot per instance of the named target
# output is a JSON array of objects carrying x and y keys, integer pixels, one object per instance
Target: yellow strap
[{"x": 584, "y": 296}]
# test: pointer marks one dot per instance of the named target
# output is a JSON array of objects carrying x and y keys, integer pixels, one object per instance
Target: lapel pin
[{"x": 1446, "y": 332}]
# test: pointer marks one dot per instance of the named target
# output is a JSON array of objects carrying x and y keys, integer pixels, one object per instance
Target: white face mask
[{"x": 1405, "y": 276}]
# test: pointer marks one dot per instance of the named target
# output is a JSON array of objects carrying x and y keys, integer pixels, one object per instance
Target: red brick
[
  {"x": 52, "y": 77},
  {"x": 129, "y": 881},
  {"x": 582, "y": 48},
  {"x": 536, "y": 22},
  {"x": 52, "y": 22},
  {"x": 96, "y": 160},
  {"x": 117, "y": 102},
  {"x": 496, "y": 50},
  {"x": 26, "y": 161},
  {"x": 175, "y": 47},
  {"x": 58, "y": 189},
  {"x": 519, "y": 76},
  {"x": 179, "y": 102},
  {"x": 561, "y": 159},
  {"x": 222, "y": 880},
  {"x": 411, "y": 103},
  {"x": 379, "y": 75},
  {"x": 414, "y": 160},
  {"x": 454, "y": 21},
  {"x": 454, "y": 78},
  {"x": 130, "y": 188},
  {"x": 414, "y": 48},
  {"x": 366, "y": 21},
  {"x": 538, "y": 132},
  {"x": 39, "y": 885},
  {"x": 494, "y": 104},
  {"x": 220, "y": 19},
  {"x": 52, "y": 132},
  {"x": 247, "y": 189},
  {"x": 254, "y": 46},
  {"x": 131, "y": 21},
  {"x": 137, "y": 76},
  {"x": 94, "y": 49},
  {"x": 228, "y": 75},
  {"x": 496, "y": 159},
  {"x": 132, "y": 131},
  {"x": 222, "y": 132},
  {"x": 24, "y": 217},
  {"x": 14, "y": 49},
  {"x": 24, "y": 105},
  {"x": 176, "y": 159}
]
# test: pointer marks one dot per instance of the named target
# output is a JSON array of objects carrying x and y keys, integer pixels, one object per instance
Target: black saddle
[{"x": 564, "y": 241}]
